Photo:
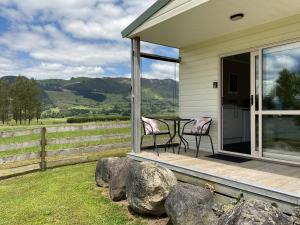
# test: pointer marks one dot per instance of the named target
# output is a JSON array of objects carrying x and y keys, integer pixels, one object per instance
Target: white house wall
[{"x": 200, "y": 67}]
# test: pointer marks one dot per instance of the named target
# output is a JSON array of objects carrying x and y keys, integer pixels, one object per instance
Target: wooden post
[
  {"x": 43, "y": 166},
  {"x": 135, "y": 94}
]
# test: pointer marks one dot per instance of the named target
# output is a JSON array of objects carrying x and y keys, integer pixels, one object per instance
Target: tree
[
  {"x": 287, "y": 89},
  {"x": 4, "y": 100},
  {"x": 33, "y": 99},
  {"x": 18, "y": 99},
  {"x": 26, "y": 99}
]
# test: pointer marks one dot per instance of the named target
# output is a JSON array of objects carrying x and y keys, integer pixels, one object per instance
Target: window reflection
[
  {"x": 281, "y": 135},
  {"x": 281, "y": 77}
]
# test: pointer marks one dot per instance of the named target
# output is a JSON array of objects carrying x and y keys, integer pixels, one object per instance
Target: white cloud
[
  {"x": 64, "y": 38},
  {"x": 162, "y": 70},
  {"x": 54, "y": 70},
  {"x": 49, "y": 44},
  {"x": 95, "y": 19}
]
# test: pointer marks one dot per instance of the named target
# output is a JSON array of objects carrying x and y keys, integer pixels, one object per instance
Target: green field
[{"x": 66, "y": 195}]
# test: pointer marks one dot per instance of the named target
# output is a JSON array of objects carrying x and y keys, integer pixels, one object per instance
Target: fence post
[{"x": 43, "y": 166}]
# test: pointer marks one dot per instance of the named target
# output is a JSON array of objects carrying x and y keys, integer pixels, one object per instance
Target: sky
[{"x": 45, "y": 39}]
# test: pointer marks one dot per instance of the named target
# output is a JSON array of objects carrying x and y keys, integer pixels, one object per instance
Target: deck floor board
[{"x": 272, "y": 176}]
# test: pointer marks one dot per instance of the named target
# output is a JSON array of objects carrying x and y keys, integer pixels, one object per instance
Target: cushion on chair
[
  {"x": 198, "y": 124},
  {"x": 150, "y": 123}
]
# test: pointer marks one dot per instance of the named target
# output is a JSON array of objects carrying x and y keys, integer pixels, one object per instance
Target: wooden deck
[{"x": 269, "y": 181}]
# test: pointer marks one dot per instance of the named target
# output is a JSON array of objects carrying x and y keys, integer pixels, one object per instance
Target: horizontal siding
[{"x": 200, "y": 67}]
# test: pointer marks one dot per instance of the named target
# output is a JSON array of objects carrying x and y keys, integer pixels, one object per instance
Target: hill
[{"x": 104, "y": 96}]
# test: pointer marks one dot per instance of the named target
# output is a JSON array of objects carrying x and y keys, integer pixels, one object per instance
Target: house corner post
[{"x": 135, "y": 94}]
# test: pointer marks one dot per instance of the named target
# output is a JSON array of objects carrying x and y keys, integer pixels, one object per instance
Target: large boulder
[
  {"x": 103, "y": 170},
  {"x": 255, "y": 212},
  {"x": 190, "y": 205},
  {"x": 118, "y": 178},
  {"x": 296, "y": 216},
  {"x": 147, "y": 187}
]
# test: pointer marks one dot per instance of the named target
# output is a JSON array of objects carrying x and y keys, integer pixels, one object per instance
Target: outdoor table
[{"x": 176, "y": 123}]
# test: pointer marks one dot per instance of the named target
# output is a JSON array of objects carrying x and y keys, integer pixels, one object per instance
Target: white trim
[
  {"x": 260, "y": 91},
  {"x": 220, "y": 97},
  {"x": 281, "y": 112},
  {"x": 220, "y": 132},
  {"x": 255, "y": 54}
]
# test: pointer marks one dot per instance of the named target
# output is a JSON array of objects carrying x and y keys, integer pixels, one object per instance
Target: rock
[
  {"x": 118, "y": 177},
  {"x": 296, "y": 216},
  {"x": 103, "y": 170},
  {"x": 255, "y": 212},
  {"x": 190, "y": 205},
  {"x": 170, "y": 222},
  {"x": 147, "y": 187}
]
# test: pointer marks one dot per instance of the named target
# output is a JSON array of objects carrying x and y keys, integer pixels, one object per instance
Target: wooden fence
[{"x": 35, "y": 161}]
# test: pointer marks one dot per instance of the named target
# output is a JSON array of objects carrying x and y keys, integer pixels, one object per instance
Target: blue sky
[{"x": 71, "y": 38}]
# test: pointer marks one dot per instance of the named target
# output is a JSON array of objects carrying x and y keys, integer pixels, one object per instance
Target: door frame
[
  {"x": 253, "y": 153},
  {"x": 258, "y": 49}
]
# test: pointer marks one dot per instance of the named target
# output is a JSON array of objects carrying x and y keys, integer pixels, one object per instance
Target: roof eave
[{"x": 144, "y": 17}]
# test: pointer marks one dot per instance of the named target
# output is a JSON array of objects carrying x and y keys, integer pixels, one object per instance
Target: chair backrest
[
  {"x": 209, "y": 124},
  {"x": 150, "y": 126},
  {"x": 202, "y": 125}
]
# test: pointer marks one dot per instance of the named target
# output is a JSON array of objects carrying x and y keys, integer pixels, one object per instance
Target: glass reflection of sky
[{"x": 276, "y": 59}]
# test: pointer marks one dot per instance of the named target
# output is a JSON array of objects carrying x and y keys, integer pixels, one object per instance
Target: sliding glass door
[{"x": 279, "y": 109}]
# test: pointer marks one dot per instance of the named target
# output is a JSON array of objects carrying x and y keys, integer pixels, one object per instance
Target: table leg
[
  {"x": 174, "y": 133},
  {"x": 185, "y": 143}
]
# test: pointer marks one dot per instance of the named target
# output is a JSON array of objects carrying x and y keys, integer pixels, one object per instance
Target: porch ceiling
[{"x": 197, "y": 20}]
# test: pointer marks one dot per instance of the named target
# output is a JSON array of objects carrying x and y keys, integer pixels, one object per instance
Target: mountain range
[{"x": 104, "y": 96}]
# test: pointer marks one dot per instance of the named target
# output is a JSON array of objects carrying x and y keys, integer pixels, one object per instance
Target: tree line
[{"x": 20, "y": 100}]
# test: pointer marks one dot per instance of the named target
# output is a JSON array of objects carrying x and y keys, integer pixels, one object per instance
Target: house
[{"x": 240, "y": 64}]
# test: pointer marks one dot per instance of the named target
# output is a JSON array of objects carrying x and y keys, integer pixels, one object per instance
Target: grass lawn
[{"x": 65, "y": 195}]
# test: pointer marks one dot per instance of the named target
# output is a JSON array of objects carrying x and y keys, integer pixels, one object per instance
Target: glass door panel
[{"x": 281, "y": 102}]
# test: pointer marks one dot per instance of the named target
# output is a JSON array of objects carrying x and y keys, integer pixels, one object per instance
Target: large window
[
  {"x": 280, "y": 110},
  {"x": 281, "y": 135},
  {"x": 281, "y": 77}
]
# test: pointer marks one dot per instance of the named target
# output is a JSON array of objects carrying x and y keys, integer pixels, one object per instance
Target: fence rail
[
  {"x": 34, "y": 161},
  {"x": 5, "y": 134}
]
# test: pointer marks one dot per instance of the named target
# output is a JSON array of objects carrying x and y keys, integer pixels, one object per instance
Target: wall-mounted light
[{"x": 237, "y": 16}]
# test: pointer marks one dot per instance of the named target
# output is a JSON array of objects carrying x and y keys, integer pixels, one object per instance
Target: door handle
[{"x": 251, "y": 100}]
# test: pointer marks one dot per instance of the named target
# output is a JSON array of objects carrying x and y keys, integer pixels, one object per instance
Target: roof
[{"x": 144, "y": 17}]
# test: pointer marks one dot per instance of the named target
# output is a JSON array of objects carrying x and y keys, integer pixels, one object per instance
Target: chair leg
[
  {"x": 212, "y": 145},
  {"x": 171, "y": 142},
  {"x": 166, "y": 145},
  {"x": 198, "y": 146},
  {"x": 179, "y": 146},
  {"x": 186, "y": 142},
  {"x": 142, "y": 139},
  {"x": 155, "y": 145}
]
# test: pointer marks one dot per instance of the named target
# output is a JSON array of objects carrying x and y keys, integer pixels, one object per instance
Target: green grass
[
  {"x": 60, "y": 135},
  {"x": 61, "y": 196}
]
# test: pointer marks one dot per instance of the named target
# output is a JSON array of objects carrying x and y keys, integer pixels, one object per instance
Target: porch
[
  {"x": 268, "y": 181},
  {"x": 230, "y": 70}
]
